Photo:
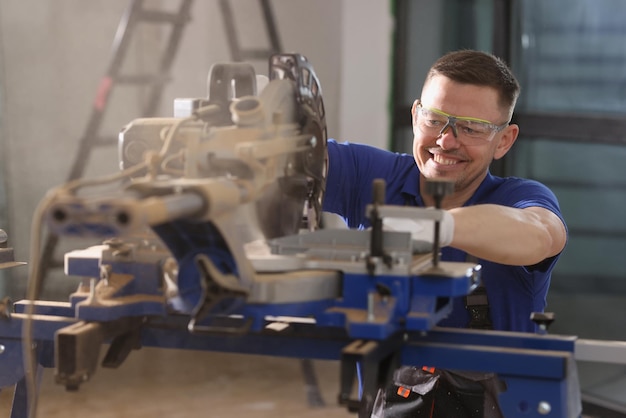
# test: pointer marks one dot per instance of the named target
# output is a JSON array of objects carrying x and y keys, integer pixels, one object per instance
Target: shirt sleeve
[
  {"x": 525, "y": 193},
  {"x": 352, "y": 169}
]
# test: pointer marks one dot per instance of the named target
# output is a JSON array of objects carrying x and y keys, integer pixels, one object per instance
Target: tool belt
[{"x": 436, "y": 393}]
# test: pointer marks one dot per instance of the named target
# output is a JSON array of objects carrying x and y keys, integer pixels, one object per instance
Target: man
[{"x": 512, "y": 227}]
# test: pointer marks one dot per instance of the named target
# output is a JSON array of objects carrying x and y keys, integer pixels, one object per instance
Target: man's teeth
[{"x": 440, "y": 159}]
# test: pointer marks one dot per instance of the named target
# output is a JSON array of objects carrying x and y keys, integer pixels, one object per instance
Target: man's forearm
[{"x": 508, "y": 235}]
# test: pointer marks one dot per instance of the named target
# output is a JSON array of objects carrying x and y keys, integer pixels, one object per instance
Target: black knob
[
  {"x": 438, "y": 189},
  {"x": 543, "y": 319}
]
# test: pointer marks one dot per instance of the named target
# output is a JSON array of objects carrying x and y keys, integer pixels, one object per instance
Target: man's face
[{"x": 450, "y": 157}]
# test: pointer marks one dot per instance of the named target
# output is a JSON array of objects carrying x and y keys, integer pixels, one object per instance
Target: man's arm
[{"x": 508, "y": 235}]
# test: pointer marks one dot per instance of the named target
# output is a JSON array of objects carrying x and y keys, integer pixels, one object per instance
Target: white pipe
[{"x": 600, "y": 351}]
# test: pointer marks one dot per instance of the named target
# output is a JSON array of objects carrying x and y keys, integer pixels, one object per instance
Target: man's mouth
[{"x": 441, "y": 159}]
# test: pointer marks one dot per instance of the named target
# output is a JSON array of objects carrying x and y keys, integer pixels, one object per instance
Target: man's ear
[
  {"x": 413, "y": 110},
  {"x": 506, "y": 141}
]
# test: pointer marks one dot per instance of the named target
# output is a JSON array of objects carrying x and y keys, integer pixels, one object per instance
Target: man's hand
[{"x": 423, "y": 229}]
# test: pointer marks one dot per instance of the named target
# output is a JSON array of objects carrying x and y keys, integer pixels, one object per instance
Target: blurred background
[{"x": 57, "y": 58}]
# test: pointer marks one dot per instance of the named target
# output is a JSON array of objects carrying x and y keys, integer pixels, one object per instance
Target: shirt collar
[{"x": 412, "y": 196}]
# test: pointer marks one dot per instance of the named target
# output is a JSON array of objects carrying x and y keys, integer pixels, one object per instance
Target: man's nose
[{"x": 448, "y": 138}]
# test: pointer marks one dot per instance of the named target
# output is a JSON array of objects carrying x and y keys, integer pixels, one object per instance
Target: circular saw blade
[{"x": 295, "y": 201}]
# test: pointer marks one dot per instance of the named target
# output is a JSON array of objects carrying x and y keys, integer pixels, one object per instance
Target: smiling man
[{"x": 511, "y": 226}]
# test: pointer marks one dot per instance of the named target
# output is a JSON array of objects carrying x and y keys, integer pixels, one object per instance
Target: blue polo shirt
[{"x": 513, "y": 291}]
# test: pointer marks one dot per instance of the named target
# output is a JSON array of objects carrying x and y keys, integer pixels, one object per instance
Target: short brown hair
[{"x": 481, "y": 69}]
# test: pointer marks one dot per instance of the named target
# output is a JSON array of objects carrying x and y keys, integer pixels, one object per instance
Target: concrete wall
[{"x": 54, "y": 54}]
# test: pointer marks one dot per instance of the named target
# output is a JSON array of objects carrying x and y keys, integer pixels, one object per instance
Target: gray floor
[{"x": 173, "y": 383}]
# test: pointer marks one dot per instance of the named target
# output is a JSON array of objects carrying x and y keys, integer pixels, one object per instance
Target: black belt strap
[{"x": 477, "y": 304}]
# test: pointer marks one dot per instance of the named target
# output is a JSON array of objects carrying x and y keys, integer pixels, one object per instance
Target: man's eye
[
  {"x": 469, "y": 131},
  {"x": 434, "y": 122},
  {"x": 473, "y": 129}
]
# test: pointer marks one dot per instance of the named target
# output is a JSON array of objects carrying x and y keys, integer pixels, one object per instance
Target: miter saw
[{"x": 213, "y": 240}]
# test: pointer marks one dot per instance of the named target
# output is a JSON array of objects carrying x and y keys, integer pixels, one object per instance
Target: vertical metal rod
[
  {"x": 437, "y": 233},
  {"x": 314, "y": 395},
  {"x": 378, "y": 197}
]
